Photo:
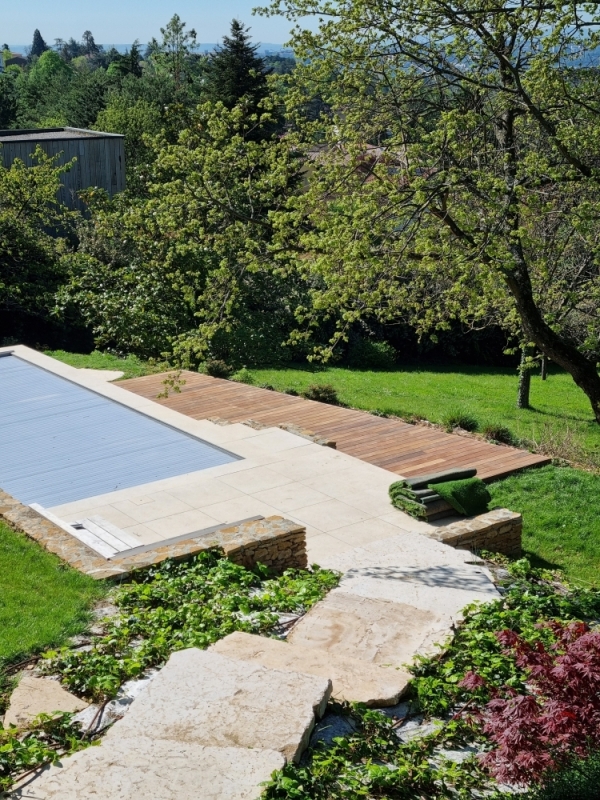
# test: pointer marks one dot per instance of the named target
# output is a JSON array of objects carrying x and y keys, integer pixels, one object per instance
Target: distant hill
[{"x": 265, "y": 48}]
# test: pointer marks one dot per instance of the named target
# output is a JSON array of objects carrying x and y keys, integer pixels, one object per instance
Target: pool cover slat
[{"x": 60, "y": 442}]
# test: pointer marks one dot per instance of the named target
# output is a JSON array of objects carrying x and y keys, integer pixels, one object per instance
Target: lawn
[
  {"x": 42, "y": 602},
  {"x": 560, "y": 411},
  {"x": 561, "y": 523},
  {"x": 131, "y": 366}
]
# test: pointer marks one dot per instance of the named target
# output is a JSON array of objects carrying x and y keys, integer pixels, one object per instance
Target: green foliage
[
  {"x": 178, "y": 605},
  {"x": 579, "y": 781},
  {"x": 217, "y": 368},
  {"x": 453, "y": 169},
  {"x": 243, "y": 375},
  {"x": 529, "y": 597},
  {"x": 322, "y": 394},
  {"x": 371, "y": 354},
  {"x": 30, "y": 258},
  {"x": 135, "y": 121},
  {"x": 235, "y": 73},
  {"x": 499, "y": 433},
  {"x": 187, "y": 267},
  {"x": 459, "y": 418},
  {"x": 42, "y": 601},
  {"x": 45, "y": 741},
  {"x": 372, "y": 763}
]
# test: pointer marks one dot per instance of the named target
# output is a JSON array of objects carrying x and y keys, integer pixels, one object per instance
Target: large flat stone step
[
  {"x": 205, "y": 698},
  {"x": 375, "y": 631},
  {"x": 353, "y": 680},
  {"x": 207, "y": 727},
  {"x": 140, "y": 768}
]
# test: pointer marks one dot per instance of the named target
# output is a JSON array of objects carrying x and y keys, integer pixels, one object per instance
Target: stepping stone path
[
  {"x": 207, "y": 727},
  {"x": 214, "y": 724},
  {"x": 35, "y": 696}
]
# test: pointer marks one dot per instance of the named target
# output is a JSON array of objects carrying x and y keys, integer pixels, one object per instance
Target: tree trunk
[
  {"x": 524, "y": 380},
  {"x": 544, "y": 368},
  {"x": 583, "y": 370}
]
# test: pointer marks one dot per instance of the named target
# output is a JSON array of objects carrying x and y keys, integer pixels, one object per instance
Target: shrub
[
  {"x": 369, "y": 354},
  {"x": 243, "y": 375},
  {"x": 556, "y": 716},
  {"x": 268, "y": 386},
  {"x": 457, "y": 418},
  {"x": 578, "y": 781},
  {"x": 217, "y": 368},
  {"x": 322, "y": 394},
  {"x": 293, "y": 392},
  {"x": 499, "y": 433}
]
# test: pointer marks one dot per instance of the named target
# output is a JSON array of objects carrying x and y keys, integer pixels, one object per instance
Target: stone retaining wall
[
  {"x": 498, "y": 531},
  {"x": 274, "y": 541}
]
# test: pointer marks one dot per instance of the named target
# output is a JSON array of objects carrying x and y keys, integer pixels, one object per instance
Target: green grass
[
  {"x": 561, "y": 523},
  {"x": 42, "y": 602},
  {"x": 560, "y": 411},
  {"x": 131, "y": 366}
]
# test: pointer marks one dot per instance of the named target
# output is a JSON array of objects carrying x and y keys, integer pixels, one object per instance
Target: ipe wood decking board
[{"x": 389, "y": 443}]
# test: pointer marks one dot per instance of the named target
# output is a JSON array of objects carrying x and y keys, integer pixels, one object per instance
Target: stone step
[
  {"x": 353, "y": 680},
  {"x": 140, "y": 767},
  {"x": 424, "y": 574},
  {"x": 207, "y": 727},
  {"x": 202, "y": 697},
  {"x": 378, "y": 632}
]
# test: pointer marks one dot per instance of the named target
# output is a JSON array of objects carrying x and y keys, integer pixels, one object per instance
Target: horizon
[{"x": 138, "y": 19}]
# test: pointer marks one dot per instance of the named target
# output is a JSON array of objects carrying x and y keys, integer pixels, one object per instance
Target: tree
[
  {"x": 186, "y": 266},
  {"x": 173, "y": 53},
  {"x": 89, "y": 46},
  {"x": 8, "y": 100},
  {"x": 39, "y": 46},
  {"x": 30, "y": 258},
  {"x": 455, "y": 174},
  {"x": 235, "y": 71}
]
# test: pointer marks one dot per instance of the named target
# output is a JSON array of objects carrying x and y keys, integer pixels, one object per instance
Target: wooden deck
[{"x": 389, "y": 443}]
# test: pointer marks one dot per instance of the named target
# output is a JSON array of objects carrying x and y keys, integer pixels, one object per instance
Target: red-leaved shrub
[{"x": 558, "y": 718}]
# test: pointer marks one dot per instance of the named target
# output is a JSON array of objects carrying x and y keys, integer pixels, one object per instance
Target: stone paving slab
[
  {"x": 35, "y": 696},
  {"x": 353, "y": 679},
  {"x": 141, "y": 768},
  {"x": 371, "y": 630},
  {"x": 404, "y": 569},
  {"x": 204, "y": 698}
]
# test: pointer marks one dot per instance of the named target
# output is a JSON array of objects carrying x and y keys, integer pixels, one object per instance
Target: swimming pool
[{"x": 61, "y": 442}]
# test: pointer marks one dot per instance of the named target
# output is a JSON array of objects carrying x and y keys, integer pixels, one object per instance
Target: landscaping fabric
[{"x": 468, "y": 497}]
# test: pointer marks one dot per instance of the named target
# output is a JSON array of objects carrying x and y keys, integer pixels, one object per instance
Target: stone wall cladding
[
  {"x": 274, "y": 541},
  {"x": 498, "y": 531}
]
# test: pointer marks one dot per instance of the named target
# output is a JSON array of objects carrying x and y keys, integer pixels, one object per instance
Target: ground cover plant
[
  {"x": 561, "y": 525},
  {"x": 178, "y": 605},
  {"x": 372, "y": 762},
  {"x": 42, "y": 601},
  {"x": 169, "y": 607}
]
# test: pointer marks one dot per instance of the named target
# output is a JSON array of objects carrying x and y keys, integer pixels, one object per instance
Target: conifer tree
[
  {"x": 235, "y": 71},
  {"x": 39, "y": 46}
]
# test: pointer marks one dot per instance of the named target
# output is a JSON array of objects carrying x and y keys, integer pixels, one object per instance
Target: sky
[{"x": 123, "y": 21}]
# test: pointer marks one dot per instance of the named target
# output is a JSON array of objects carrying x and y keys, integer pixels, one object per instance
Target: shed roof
[{"x": 39, "y": 134}]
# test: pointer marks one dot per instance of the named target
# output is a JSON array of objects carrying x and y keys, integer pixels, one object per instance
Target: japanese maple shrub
[{"x": 557, "y": 716}]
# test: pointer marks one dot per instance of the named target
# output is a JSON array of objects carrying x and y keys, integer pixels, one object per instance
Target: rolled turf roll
[{"x": 468, "y": 497}]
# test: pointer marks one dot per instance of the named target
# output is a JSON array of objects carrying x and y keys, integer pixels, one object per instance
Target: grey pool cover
[{"x": 60, "y": 442}]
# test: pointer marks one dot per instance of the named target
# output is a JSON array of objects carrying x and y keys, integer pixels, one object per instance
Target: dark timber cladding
[
  {"x": 100, "y": 158},
  {"x": 388, "y": 443}
]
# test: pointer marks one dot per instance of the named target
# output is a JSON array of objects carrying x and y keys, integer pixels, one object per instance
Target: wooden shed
[{"x": 100, "y": 158}]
